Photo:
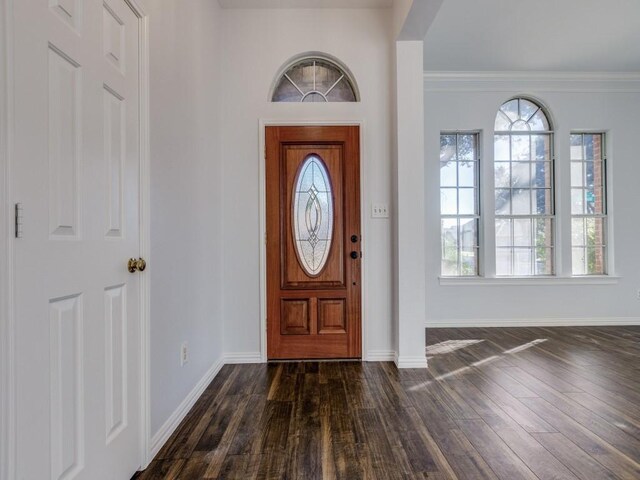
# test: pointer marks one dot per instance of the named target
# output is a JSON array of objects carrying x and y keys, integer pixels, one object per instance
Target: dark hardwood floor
[{"x": 507, "y": 403}]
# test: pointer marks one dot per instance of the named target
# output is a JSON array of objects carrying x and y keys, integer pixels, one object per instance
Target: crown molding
[
  {"x": 446, "y": 81},
  {"x": 537, "y": 76}
]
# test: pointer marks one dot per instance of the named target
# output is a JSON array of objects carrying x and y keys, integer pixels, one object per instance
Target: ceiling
[
  {"x": 305, "y": 3},
  {"x": 538, "y": 35}
]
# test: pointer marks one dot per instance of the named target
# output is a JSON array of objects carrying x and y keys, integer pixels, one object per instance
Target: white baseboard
[
  {"x": 533, "y": 322},
  {"x": 167, "y": 429},
  {"x": 381, "y": 356},
  {"x": 242, "y": 357},
  {"x": 411, "y": 362}
]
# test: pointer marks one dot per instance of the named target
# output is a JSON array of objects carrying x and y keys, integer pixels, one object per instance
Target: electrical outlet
[
  {"x": 184, "y": 353},
  {"x": 638, "y": 294},
  {"x": 379, "y": 210}
]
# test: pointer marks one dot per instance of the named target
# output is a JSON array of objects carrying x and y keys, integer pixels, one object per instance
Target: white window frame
[
  {"x": 606, "y": 247},
  {"x": 478, "y": 215},
  {"x": 552, "y": 216}
]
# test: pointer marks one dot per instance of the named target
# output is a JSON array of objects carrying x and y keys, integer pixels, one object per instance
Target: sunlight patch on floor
[
  {"x": 449, "y": 346},
  {"x": 522, "y": 347}
]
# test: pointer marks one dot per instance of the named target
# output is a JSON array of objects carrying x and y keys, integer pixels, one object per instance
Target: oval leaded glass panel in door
[{"x": 312, "y": 212}]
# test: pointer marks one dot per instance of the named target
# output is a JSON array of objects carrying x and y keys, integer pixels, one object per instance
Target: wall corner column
[{"x": 410, "y": 282}]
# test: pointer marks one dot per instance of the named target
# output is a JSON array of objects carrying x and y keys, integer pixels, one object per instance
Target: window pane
[
  {"x": 522, "y": 232},
  {"x": 448, "y": 174},
  {"x": 520, "y": 126},
  {"x": 543, "y": 232},
  {"x": 594, "y": 232},
  {"x": 577, "y": 201},
  {"x": 541, "y": 146},
  {"x": 577, "y": 175},
  {"x": 521, "y": 201},
  {"x": 467, "y": 205},
  {"x": 501, "y": 148},
  {"x": 503, "y": 201},
  {"x": 286, "y": 92},
  {"x": 541, "y": 201},
  {"x": 527, "y": 109},
  {"x": 502, "y": 123},
  {"x": 469, "y": 262},
  {"x": 578, "y": 261},
  {"x": 503, "y": 232},
  {"x": 449, "y": 246},
  {"x": 466, "y": 147},
  {"x": 502, "y": 177},
  {"x": 447, "y": 148},
  {"x": 522, "y": 262},
  {"x": 448, "y": 201},
  {"x": 468, "y": 233},
  {"x": 578, "y": 236},
  {"x": 467, "y": 174},
  {"x": 541, "y": 172},
  {"x": 539, "y": 122},
  {"x": 521, "y": 174},
  {"x": 503, "y": 261},
  {"x": 594, "y": 200},
  {"x": 595, "y": 260},
  {"x": 591, "y": 147},
  {"x": 510, "y": 109},
  {"x": 520, "y": 147},
  {"x": 544, "y": 261}
]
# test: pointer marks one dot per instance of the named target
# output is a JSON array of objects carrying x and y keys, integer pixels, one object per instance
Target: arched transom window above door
[{"x": 315, "y": 78}]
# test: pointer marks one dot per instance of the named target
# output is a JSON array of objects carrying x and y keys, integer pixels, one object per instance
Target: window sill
[{"x": 540, "y": 281}]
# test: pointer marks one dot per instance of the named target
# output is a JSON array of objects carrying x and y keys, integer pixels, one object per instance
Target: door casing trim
[
  {"x": 263, "y": 123},
  {"x": 144, "y": 193},
  {"x": 7, "y": 327},
  {"x": 7, "y": 357}
]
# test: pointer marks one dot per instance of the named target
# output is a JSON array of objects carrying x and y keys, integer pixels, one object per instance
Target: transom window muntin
[
  {"x": 521, "y": 115},
  {"x": 315, "y": 79},
  {"x": 459, "y": 203},
  {"x": 588, "y": 203},
  {"x": 524, "y": 190}
]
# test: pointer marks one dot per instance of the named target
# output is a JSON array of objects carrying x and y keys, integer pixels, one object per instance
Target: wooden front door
[{"x": 313, "y": 242}]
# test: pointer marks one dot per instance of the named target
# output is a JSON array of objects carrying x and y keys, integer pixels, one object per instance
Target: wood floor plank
[
  {"x": 621, "y": 465},
  {"x": 502, "y": 460},
  {"x": 576, "y": 459},
  {"x": 495, "y": 403}
]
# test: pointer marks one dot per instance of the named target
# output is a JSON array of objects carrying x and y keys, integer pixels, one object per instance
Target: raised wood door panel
[{"x": 313, "y": 314}]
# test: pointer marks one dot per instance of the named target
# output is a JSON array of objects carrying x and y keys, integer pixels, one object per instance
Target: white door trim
[
  {"x": 7, "y": 358},
  {"x": 7, "y": 367},
  {"x": 145, "y": 233},
  {"x": 263, "y": 225}
]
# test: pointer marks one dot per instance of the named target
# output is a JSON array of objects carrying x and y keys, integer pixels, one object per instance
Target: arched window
[
  {"x": 315, "y": 79},
  {"x": 524, "y": 190}
]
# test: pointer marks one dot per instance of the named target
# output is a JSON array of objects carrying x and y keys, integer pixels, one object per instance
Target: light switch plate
[{"x": 379, "y": 210}]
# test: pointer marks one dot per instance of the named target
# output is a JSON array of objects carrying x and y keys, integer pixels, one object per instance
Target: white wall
[
  {"x": 186, "y": 198},
  {"x": 575, "y": 102},
  {"x": 258, "y": 43}
]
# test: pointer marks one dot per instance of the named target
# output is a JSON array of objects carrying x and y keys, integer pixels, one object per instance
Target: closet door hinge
[{"x": 18, "y": 220}]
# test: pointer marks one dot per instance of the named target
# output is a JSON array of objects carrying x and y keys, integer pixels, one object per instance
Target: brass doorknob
[{"x": 139, "y": 265}]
